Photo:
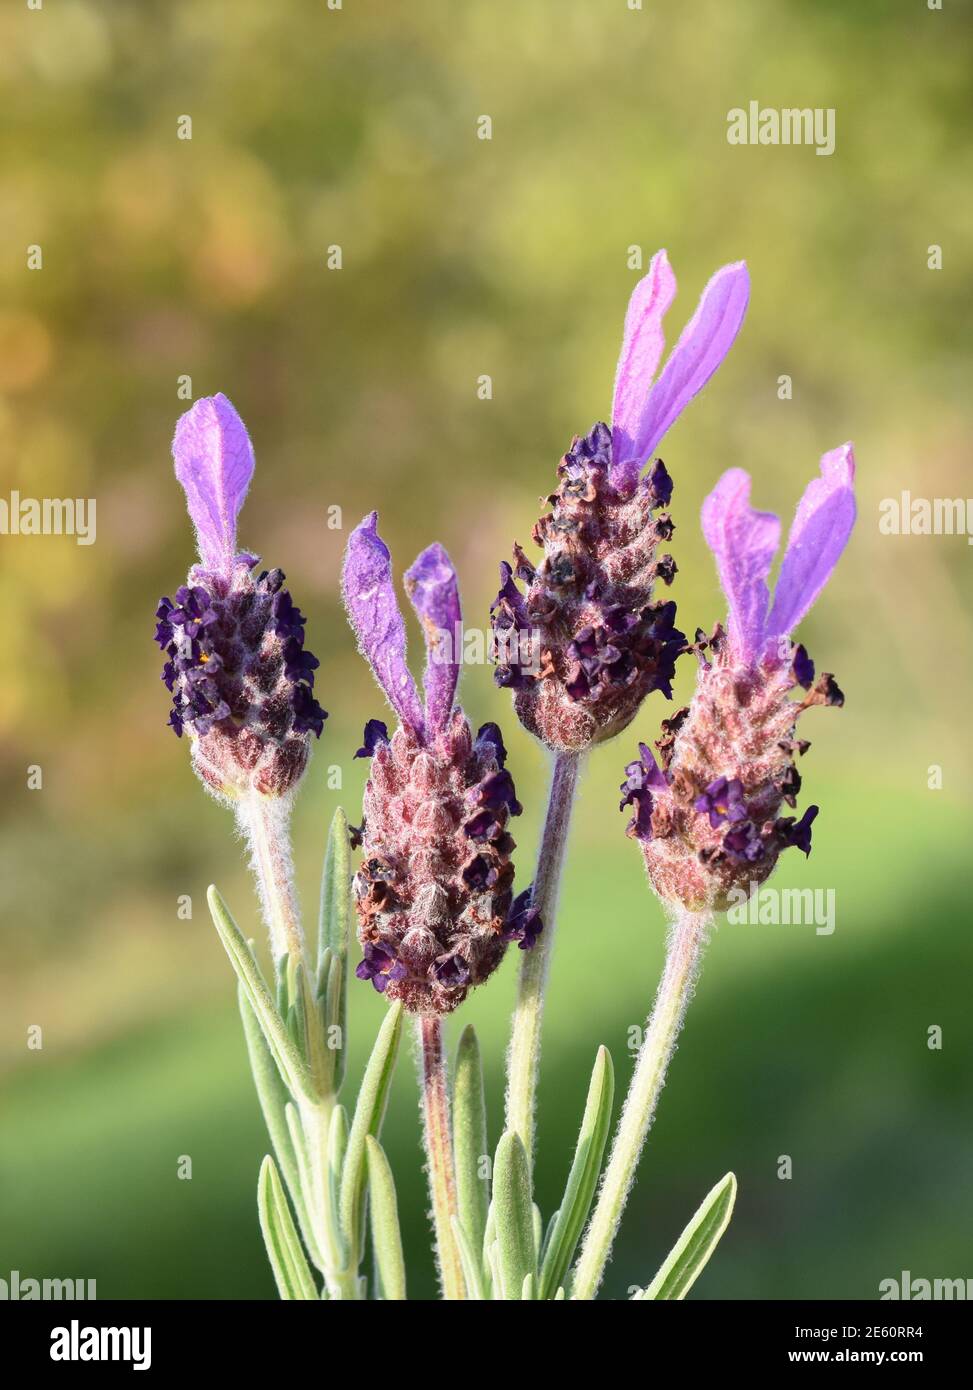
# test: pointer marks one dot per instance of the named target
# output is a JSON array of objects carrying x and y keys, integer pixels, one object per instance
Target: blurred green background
[{"x": 208, "y": 257}]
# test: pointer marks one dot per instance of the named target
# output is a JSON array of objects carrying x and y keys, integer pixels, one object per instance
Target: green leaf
[
  {"x": 579, "y": 1190},
  {"x": 334, "y": 934},
  {"x": 470, "y": 1141},
  {"x": 293, "y": 1277},
  {"x": 513, "y": 1211},
  {"x": 285, "y": 1054},
  {"x": 691, "y": 1252},
  {"x": 384, "y": 1217},
  {"x": 472, "y": 1269},
  {"x": 274, "y": 1098},
  {"x": 369, "y": 1113}
]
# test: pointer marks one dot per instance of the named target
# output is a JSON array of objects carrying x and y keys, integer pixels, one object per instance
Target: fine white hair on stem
[
  {"x": 687, "y": 939},
  {"x": 265, "y": 825}
]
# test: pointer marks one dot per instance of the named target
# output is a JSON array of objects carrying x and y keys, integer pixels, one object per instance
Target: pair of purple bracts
[{"x": 581, "y": 638}]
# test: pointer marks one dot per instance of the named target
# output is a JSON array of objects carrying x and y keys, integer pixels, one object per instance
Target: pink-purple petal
[
  {"x": 214, "y": 463},
  {"x": 642, "y": 344},
  {"x": 819, "y": 533},
  {"x": 705, "y": 341},
  {"x": 744, "y": 542},
  {"x": 373, "y": 611},
  {"x": 434, "y": 593}
]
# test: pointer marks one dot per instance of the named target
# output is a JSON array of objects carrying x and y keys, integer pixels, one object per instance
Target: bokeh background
[{"x": 461, "y": 257}]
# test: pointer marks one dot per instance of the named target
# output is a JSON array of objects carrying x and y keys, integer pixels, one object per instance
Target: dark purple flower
[
  {"x": 802, "y": 667},
  {"x": 797, "y": 833},
  {"x": 375, "y": 733},
  {"x": 524, "y": 923},
  {"x": 722, "y": 801},
  {"x": 381, "y": 967},
  {"x": 642, "y": 777}
]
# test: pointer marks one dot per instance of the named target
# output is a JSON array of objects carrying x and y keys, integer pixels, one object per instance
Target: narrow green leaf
[
  {"x": 472, "y": 1269},
  {"x": 470, "y": 1140},
  {"x": 335, "y": 929},
  {"x": 691, "y": 1252},
  {"x": 274, "y": 1098},
  {"x": 331, "y": 1008},
  {"x": 369, "y": 1113},
  {"x": 291, "y": 1273},
  {"x": 513, "y": 1210},
  {"x": 384, "y": 1218},
  {"x": 285, "y": 1054},
  {"x": 582, "y": 1180},
  {"x": 527, "y": 1292}
]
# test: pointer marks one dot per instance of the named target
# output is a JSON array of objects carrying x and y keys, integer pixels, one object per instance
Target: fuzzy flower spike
[
  {"x": 708, "y": 819},
  {"x": 236, "y": 666},
  {"x": 434, "y": 889},
  {"x": 585, "y": 643}
]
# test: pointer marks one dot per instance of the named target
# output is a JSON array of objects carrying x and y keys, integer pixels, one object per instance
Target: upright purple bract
[{"x": 214, "y": 462}]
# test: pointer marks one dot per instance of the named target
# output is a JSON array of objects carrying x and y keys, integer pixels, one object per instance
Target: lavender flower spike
[
  {"x": 585, "y": 644},
  {"x": 434, "y": 891},
  {"x": 709, "y": 819},
  {"x": 240, "y": 676}
]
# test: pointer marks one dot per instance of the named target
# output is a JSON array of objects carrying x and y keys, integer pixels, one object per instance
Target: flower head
[
  {"x": 584, "y": 643},
  {"x": 236, "y": 666},
  {"x": 434, "y": 891},
  {"x": 708, "y": 819}
]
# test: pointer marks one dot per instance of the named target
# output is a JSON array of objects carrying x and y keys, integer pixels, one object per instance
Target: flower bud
[
  {"x": 236, "y": 666},
  {"x": 434, "y": 890},
  {"x": 586, "y": 640},
  {"x": 709, "y": 818}
]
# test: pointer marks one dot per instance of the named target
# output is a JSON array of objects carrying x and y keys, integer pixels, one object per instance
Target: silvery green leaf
[
  {"x": 559, "y": 1296},
  {"x": 582, "y": 1180},
  {"x": 330, "y": 1003},
  {"x": 334, "y": 932},
  {"x": 285, "y": 1054},
  {"x": 513, "y": 1211},
  {"x": 538, "y": 1234},
  {"x": 527, "y": 1291},
  {"x": 291, "y": 1273},
  {"x": 369, "y": 1113},
  {"x": 384, "y": 1218},
  {"x": 274, "y": 1099},
  {"x": 470, "y": 1141},
  {"x": 472, "y": 1270},
  {"x": 691, "y": 1252}
]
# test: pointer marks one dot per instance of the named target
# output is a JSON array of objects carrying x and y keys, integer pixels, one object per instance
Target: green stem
[
  {"x": 439, "y": 1154},
  {"x": 686, "y": 942},
  {"x": 523, "y": 1057}
]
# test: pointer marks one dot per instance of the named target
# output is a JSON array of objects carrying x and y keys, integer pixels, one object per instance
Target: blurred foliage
[{"x": 313, "y": 128}]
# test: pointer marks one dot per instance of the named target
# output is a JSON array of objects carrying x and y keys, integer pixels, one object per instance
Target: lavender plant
[{"x": 433, "y": 891}]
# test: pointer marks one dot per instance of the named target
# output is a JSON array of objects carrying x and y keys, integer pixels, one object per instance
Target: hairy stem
[
  {"x": 523, "y": 1057},
  {"x": 266, "y": 824},
  {"x": 687, "y": 939},
  {"x": 439, "y": 1154}
]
